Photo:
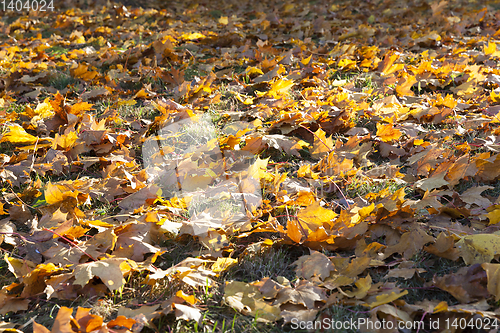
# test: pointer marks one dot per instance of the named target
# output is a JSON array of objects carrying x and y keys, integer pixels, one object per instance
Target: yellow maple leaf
[
  {"x": 494, "y": 216},
  {"x": 42, "y": 110},
  {"x": 17, "y": 134},
  {"x": 193, "y": 36},
  {"x": 65, "y": 141},
  {"x": 223, "y": 263},
  {"x": 223, "y": 20},
  {"x": 491, "y": 49},
  {"x": 495, "y": 97},
  {"x": 387, "y": 298},
  {"x": 280, "y": 87},
  {"x": 315, "y": 215},
  {"x": 479, "y": 248},
  {"x": 55, "y": 193},
  {"x": 493, "y": 274},
  {"x": 258, "y": 169}
]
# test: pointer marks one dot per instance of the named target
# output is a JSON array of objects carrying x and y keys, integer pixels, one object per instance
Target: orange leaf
[
  {"x": 190, "y": 298},
  {"x": 122, "y": 321},
  {"x": 293, "y": 231},
  {"x": 78, "y": 108},
  {"x": 404, "y": 86},
  {"x": 387, "y": 133},
  {"x": 386, "y": 65},
  {"x": 62, "y": 323}
]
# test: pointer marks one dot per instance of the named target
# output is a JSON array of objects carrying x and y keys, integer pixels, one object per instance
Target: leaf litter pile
[{"x": 232, "y": 166}]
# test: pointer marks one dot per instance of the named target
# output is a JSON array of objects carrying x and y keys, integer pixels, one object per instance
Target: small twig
[
  {"x": 72, "y": 243},
  {"x": 342, "y": 194},
  {"x": 301, "y": 227},
  {"x": 422, "y": 319},
  {"x": 126, "y": 61},
  {"x": 15, "y": 233},
  {"x": 13, "y": 192},
  {"x": 27, "y": 323},
  {"x": 34, "y": 155}
]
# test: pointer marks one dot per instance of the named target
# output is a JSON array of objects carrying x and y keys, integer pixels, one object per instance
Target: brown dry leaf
[
  {"x": 316, "y": 264},
  {"x": 99, "y": 92},
  {"x": 299, "y": 316},
  {"x": 62, "y": 323},
  {"x": 187, "y": 312},
  {"x": 305, "y": 294},
  {"x": 146, "y": 310},
  {"x": 409, "y": 244},
  {"x": 144, "y": 196},
  {"x": 473, "y": 196},
  {"x": 110, "y": 271},
  {"x": 444, "y": 246},
  {"x": 431, "y": 183},
  {"x": 467, "y": 285}
]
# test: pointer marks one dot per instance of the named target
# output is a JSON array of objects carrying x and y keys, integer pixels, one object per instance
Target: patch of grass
[
  {"x": 336, "y": 74},
  {"x": 56, "y": 50},
  {"x": 272, "y": 263},
  {"x": 465, "y": 184},
  {"x": 101, "y": 106},
  {"x": 104, "y": 307},
  {"x": 62, "y": 80},
  {"x": 365, "y": 82},
  {"x": 192, "y": 71},
  {"x": 216, "y": 14},
  {"x": 177, "y": 250},
  {"x": 418, "y": 286},
  {"x": 101, "y": 208},
  {"x": 6, "y": 277},
  {"x": 43, "y": 312},
  {"x": 362, "y": 186},
  {"x": 342, "y": 313},
  {"x": 138, "y": 112}
]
